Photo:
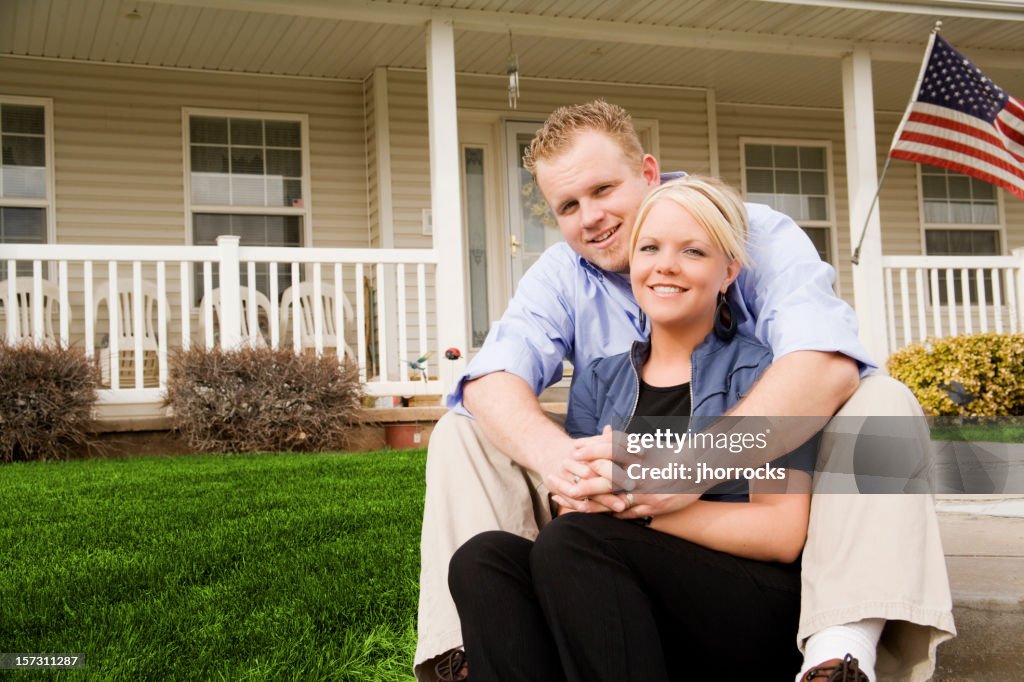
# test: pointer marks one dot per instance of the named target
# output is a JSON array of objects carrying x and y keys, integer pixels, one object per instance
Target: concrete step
[{"x": 985, "y": 559}]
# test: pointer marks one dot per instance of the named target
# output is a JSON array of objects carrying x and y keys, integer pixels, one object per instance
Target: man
[{"x": 496, "y": 470}]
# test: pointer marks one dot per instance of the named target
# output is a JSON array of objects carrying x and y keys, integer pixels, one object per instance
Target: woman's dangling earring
[{"x": 725, "y": 320}]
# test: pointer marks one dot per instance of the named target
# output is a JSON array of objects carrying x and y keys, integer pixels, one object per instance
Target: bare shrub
[
  {"x": 47, "y": 396},
  {"x": 262, "y": 400}
]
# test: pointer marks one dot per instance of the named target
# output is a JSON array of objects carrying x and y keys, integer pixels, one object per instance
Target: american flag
[{"x": 959, "y": 119}]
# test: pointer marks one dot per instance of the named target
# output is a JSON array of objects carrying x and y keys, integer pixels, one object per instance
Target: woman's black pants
[{"x": 596, "y": 598}]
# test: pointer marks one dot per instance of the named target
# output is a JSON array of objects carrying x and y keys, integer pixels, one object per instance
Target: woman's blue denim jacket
[{"x": 721, "y": 373}]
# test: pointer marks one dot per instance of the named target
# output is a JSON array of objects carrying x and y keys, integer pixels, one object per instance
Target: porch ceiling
[{"x": 754, "y": 51}]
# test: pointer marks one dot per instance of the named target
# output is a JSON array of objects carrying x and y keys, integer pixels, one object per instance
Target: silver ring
[
  {"x": 629, "y": 500},
  {"x": 575, "y": 479}
]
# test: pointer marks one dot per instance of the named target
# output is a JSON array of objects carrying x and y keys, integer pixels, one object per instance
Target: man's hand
[
  {"x": 580, "y": 488},
  {"x": 590, "y": 477},
  {"x": 510, "y": 416}
]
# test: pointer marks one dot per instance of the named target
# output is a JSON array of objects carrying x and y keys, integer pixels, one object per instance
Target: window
[
  {"x": 25, "y": 182},
  {"x": 961, "y": 218},
  {"x": 247, "y": 177},
  {"x": 952, "y": 198},
  {"x": 475, "y": 220},
  {"x": 792, "y": 178}
]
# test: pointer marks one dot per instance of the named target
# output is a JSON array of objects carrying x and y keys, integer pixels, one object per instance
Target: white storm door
[{"x": 532, "y": 226}]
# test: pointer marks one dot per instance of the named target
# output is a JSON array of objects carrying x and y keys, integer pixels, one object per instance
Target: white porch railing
[
  {"x": 375, "y": 305},
  {"x": 949, "y": 295}
]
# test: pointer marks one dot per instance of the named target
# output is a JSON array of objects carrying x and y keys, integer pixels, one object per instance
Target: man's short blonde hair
[
  {"x": 557, "y": 133},
  {"x": 716, "y": 206}
]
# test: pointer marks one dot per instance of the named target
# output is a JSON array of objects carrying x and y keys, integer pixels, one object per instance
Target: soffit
[{"x": 222, "y": 37}]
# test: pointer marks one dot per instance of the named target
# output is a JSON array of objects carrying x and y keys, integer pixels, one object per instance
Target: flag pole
[{"x": 855, "y": 258}]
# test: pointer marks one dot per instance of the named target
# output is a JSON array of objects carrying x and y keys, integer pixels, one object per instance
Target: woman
[{"x": 709, "y": 591}]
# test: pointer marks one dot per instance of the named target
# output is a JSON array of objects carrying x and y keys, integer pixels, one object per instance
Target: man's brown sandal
[{"x": 846, "y": 670}]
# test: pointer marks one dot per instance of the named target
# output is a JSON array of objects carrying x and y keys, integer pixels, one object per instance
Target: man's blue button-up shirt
[{"x": 566, "y": 308}]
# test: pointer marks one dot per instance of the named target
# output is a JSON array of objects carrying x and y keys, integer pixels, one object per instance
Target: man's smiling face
[{"x": 594, "y": 190}]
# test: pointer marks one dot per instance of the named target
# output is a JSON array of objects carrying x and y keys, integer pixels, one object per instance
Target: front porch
[
  {"x": 935, "y": 296},
  {"x": 376, "y": 307},
  {"x": 379, "y": 143}
]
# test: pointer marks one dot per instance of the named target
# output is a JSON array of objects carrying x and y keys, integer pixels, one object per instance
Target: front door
[
  {"x": 532, "y": 226},
  {"x": 508, "y": 224}
]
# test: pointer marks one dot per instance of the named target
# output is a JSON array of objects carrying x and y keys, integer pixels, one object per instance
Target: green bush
[
  {"x": 254, "y": 400},
  {"x": 990, "y": 367},
  {"x": 47, "y": 396}
]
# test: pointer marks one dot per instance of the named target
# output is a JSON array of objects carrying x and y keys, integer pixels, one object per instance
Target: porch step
[
  {"x": 152, "y": 435},
  {"x": 405, "y": 427},
  {"x": 985, "y": 559}
]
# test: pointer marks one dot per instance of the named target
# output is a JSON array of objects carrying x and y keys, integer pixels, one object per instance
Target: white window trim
[
  {"x": 999, "y": 226},
  {"x": 830, "y": 200},
  {"x": 50, "y": 202},
  {"x": 306, "y": 211}
]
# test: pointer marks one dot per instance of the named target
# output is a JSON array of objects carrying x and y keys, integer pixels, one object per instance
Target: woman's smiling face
[{"x": 678, "y": 270}]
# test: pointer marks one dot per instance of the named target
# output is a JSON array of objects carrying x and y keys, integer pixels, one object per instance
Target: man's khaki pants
[{"x": 867, "y": 556}]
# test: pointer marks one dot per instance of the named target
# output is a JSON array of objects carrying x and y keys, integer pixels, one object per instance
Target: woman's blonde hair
[{"x": 716, "y": 206}]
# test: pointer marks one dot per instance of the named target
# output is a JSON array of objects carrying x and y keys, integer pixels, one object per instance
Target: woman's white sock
[{"x": 859, "y": 639}]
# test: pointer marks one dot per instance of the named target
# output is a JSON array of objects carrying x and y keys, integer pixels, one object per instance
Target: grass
[
  {"x": 215, "y": 567},
  {"x": 1006, "y": 430}
]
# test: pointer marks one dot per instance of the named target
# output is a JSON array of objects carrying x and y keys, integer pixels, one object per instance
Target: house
[{"x": 207, "y": 163}]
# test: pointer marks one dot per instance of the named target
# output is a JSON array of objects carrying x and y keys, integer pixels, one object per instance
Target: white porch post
[
  {"x": 385, "y": 218},
  {"x": 862, "y": 182},
  {"x": 230, "y": 300},
  {"x": 445, "y": 197}
]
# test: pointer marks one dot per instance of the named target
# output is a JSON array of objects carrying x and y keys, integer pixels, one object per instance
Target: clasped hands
[{"x": 585, "y": 482}]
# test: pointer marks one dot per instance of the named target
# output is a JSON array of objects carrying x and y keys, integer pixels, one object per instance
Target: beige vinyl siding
[
  {"x": 898, "y": 201},
  {"x": 118, "y": 146},
  {"x": 898, "y": 206},
  {"x": 410, "y": 157},
  {"x": 736, "y": 121},
  {"x": 680, "y": 114},
  {"x": 118, "y": 151},
  {"x": 1014, "y": 221}
]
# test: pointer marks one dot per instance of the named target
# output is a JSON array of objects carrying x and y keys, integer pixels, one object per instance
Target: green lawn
[
  {"x": 286, "y": 566},
  {"x": 1005, "y": 430}
]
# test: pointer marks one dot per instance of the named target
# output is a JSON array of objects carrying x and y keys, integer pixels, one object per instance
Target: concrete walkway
[{"x": 983, "y": 537}]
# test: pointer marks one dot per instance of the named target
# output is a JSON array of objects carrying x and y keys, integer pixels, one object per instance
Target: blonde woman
[{"x": 710, "y": 591}]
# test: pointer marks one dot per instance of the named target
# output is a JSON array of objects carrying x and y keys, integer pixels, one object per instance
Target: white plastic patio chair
[
  {"x": 127, "y": 328},
  {"x": 306, "y": 317},
  {"x": 260, "y": 337},
  {"x": 24, "y": 288}
]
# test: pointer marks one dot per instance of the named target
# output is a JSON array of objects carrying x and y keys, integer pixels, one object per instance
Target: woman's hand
[
  {"x": 585, "y": 481},
  {"x": 598, "y": 453},
  {"x": 596, "y": 448},
  {"x": 654, "y": 504}
]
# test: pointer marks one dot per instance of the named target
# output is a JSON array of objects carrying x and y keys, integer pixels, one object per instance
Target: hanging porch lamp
[{"x": 512, "y": 71}]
